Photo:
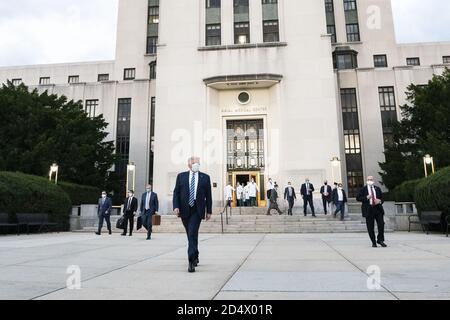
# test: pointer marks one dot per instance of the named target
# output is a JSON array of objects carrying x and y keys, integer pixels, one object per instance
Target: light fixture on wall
[
  {"x": 54, "y": 168},
  {"x": 131, "y": 168},
  {"x": 428, "y": 160}
]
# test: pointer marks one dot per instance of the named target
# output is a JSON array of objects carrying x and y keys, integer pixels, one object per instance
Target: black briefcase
[{"x": 121, "y": 223}]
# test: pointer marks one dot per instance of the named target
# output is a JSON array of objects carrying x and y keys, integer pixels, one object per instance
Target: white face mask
[
  {"x": 149, "y": 189},
  {"x": 103, "y": 195},
  {"x": 130, "y": 195},
  {"x": 196, "y": 167},
  {"x": 370, "y": 183}
]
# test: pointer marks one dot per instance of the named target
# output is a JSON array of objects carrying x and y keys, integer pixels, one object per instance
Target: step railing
[{"x": 225, "y": 211}]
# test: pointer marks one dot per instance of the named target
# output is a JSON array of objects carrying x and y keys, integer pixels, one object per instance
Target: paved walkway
[{"x": 283, "y": 266}]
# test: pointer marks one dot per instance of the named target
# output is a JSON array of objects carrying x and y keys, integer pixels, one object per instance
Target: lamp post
[
  {"x": 335, "y": 164},
  {"x": 428, "y": 160},
  {"x": 131, "y": 167},
  {"x": 53, "y": 170}
]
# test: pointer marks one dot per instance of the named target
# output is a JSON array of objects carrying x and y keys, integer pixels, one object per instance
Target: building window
[
  {"x": 350, "y": 5},
  {"x": 353, "y": 32},
  {"x": 345, "y": 59},
  {"x": 446, "y": 59},
  {"x": 213, "y": 35},
  {"x": 388, "y": 112},
  {"x": 380, "y": 61},
  {"x": 213, "y": 4},
  {"x": 91, "y": 108},
  {"x": 123, "y": 139},
  {"x": 153, "y": 70},
  {"x": 103, "y": 77},
  {"x": 16, "y": 82},
  {"x": 271, "y": 30},
  {"x": 44, "y": 81},
  {"x": 153, "y": 26},
  {"x": 129, "y": 74},
  {"x": 74, "y": 79},
  {"x": 331, "y": 22},
  {"x": 152, "y": 139},
  {"x": 352, "y": 141},
  {"x": 241, "y": 21},
  {"x": 413, "y": 61}
]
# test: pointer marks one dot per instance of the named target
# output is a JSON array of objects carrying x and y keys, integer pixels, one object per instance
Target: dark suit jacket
[
  {"x": 154, "y": 203},
  {"x": 362, "y": 197},
  {"x": 329, "y": 190},
  {"x": 273, "y": 196},
  {"x": 303, "y": 190},
  {"x": 133, "y": 207},
  {"x": 286, "y": 194},
  {"x": 204, "y": 196},
  {"x": 105, "y": 209},
  {"x": 335, "y": 196}
]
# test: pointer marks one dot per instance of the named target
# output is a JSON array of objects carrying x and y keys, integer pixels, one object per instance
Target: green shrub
[
  {"x": 433, "y": 193},
  {"x": 21, "y": 193},
  {"x": 405, "y": 192},
  {"x": 79, "y": 194}
]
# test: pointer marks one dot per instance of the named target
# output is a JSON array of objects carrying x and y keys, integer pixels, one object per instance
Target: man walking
[
  {"x": 371, "y": 197},
  {"x": 326, "y": 193},
  {"x": 104, "y": 213},
  {"x": 339, "y": 200},
  {"x": 290, "y": 196},
  {"x": 130, "y": 207},
  {"x": 306, "y": 191},
  {"x": 192, "y": 202},
  {"x": 274, "y": 201},
  {"x": 149, "y": 207}
]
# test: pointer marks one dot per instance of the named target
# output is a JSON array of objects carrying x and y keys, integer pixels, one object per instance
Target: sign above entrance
[{"x": 244, "y": 110}]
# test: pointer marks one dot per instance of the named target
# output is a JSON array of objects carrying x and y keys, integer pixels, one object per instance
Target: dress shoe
[
  {"x": 374, "y": 245},
  {"x": 130, "y": 235},
  {"x": 123, "y": 234},
  {"x": 196, "y": 263},
  {"x": 191, "y": 267},
  {"x": 381, "y": 243},
  {"x": 98, "y": 233},
  {"x": 149, "y": 237},
  {"x": 110, "y": 232}
]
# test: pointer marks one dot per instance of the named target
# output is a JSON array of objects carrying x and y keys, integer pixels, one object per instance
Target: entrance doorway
[{"x": 243, "y": 178}]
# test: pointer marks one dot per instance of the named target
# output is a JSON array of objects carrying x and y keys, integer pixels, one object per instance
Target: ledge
[
  {"x": 244, "y": 46},
  {"x": 243, "y": 78}
]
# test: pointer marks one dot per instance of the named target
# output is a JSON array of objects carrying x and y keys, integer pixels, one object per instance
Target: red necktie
[{"x": 373, "y": 196}]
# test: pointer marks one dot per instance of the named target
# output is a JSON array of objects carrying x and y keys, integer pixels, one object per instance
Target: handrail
[{"x": 225, "y": 210}]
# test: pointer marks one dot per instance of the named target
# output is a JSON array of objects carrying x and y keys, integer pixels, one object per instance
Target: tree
[
  {"x": 424, "y": 129},
  {"x": 37, "y": 130}
]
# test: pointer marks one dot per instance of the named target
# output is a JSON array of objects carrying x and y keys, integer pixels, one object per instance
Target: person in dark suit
[
  {"x": 290, "y": 196},
  {"x": 371, "y": 197},
  {"x": 273, "y": 205},
  {"x": 149, "y": 207},
  {"x": 327, "y": 193},
  {"x": 130, "y": 206},
  {"x": 192, "y": 202},
  {"x": 339, "y": 200},
  {"x": 104, "y": 213},
  {"x": 306, "y": 191}
]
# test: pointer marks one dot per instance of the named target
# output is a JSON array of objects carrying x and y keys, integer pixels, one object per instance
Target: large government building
[{"x": 256, "y": 88}]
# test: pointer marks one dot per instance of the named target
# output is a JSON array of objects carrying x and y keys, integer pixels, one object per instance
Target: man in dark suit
[
  {"x": 306, "y": 191},
  {"x": 290, "y": 196},
  {"x": 327, "y": 192},
  {"x": 149, "y": 207},
  {"x": 371, "y": 197},
  {"x": 192, "y": 202},
  {"x": 130, "y": 206},
  {"x": 273, "y": 205},
  {"x": 339, "y": 200},
  {"x": 104, "y": 213}
]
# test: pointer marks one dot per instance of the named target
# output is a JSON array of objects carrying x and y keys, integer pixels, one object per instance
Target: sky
[{"x": 58, "y": 31}]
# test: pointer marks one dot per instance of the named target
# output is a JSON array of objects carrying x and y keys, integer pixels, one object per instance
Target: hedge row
[
  {"x": 22, "y": 193},
  {"x": 433, "y": 193},
  {"x": 79, "y": 194},
  {"x": 406, "y": 191}
]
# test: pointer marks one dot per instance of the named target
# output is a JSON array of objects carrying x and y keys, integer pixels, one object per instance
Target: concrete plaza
[{"x": 256, "y": 266}]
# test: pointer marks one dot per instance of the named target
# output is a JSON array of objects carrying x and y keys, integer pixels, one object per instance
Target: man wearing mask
[
  {"x": 274, "y": 201},
  {"x": 306, "y": 191},
  {"x": 104, "y": 213},
  {"x": 192, "y": 202},
  {"x": 253, "y": 190},
  {"x": 339, "y": 200},
  {"x": 290, "y": 196},
  {"x": 270, "y": 187},
  {"x": 130, "y": 206},
  {"x": 371, "y": 197},
  {"x": 149, "y": 207},
  {"x": 239, "y": 194},
  {"x": 326, "y": 193}
]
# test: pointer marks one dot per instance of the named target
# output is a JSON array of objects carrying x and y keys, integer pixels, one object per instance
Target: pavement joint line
[
  {"x": 425, "y": 250},
  {"x": 364, "y": 272},
  {"x": 263, "y": 237},
  {"x": 119, "y": 268}
]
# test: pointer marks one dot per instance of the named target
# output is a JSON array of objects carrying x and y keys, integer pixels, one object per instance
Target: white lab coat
[
  {"x": 229, "y": 192},
  {"x": 239, "y": 192}
]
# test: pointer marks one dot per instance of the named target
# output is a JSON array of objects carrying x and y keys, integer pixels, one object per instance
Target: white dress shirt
[
  {"x": 247, "y": 192},
  {"x": 270, "y": 186},
  {"x": 147, "y": 200},
  {"x": 340, "y": 195},
  {"x": 191, "y": 175}
]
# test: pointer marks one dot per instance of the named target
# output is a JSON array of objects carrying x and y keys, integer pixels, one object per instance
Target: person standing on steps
[
  {"x": 229, "y": 190},
  {"x": 371, "y": 197},
  {"x": 239, "y": 194},
  {"x": 306, "y": 191},
  {"x": 274, "y": 201},
  {"x": 327, "y": 194},
  {"x": 290, "y": 196},
  {"x": 339, "y": 200},
  {"x": 192, "y": 202}
]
